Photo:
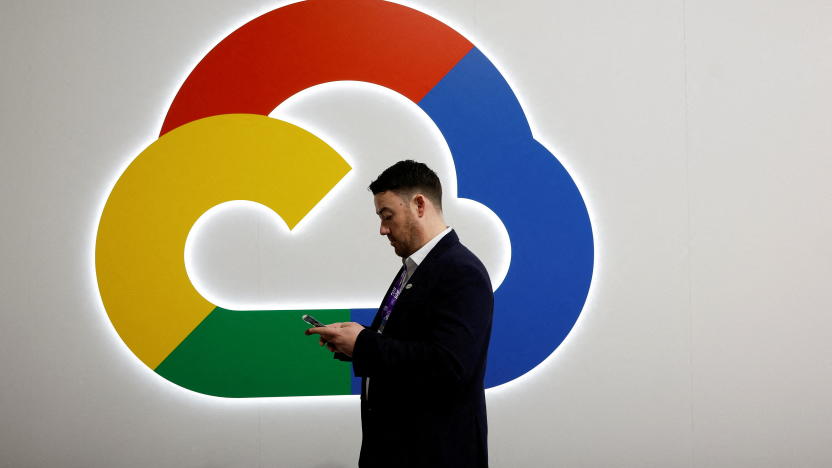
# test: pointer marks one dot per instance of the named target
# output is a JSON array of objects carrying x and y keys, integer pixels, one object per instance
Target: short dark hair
[{"x": 406, "y": 177}]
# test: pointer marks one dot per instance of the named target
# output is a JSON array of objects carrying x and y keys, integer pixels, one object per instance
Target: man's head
[{"x": 408, "y": 200}]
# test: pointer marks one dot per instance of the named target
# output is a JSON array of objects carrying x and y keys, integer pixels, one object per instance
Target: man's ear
[{"x": 419, "y": 200}]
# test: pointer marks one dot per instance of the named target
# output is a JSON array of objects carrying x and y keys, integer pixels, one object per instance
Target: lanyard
[{"x": 390, "y": 300}]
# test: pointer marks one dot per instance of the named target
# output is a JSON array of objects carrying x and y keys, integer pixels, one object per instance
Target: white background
[{"x": 699, "y": 131}]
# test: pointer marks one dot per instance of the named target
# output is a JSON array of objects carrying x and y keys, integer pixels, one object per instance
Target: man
[{"x": 422, "y": 361}]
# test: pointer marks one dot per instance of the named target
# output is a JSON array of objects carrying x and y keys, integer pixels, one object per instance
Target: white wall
[{"x": 700, "y": 132}]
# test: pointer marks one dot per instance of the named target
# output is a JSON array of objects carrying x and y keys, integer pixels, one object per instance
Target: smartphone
[{"x": 312, "y": 321}]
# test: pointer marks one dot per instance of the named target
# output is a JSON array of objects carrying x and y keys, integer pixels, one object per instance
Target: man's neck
[
  {"x": 430, "y": 232},
  {"x": 415, "y": 258}
]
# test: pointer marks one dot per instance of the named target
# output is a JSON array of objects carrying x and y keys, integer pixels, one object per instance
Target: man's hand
[{"x": 339, "y": 337}]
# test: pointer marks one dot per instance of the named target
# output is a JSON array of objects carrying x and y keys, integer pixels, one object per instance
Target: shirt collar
[{"x": 418, "y": 257}]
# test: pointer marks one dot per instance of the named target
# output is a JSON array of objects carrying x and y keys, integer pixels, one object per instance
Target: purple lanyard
[{"x": 390, "y": 300}]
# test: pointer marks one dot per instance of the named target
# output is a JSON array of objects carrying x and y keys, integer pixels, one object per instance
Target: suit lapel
[{"x": 425, "y": 269}]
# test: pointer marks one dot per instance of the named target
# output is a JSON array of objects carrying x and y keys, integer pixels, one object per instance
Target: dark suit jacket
[{"x": 426, "y": 404}]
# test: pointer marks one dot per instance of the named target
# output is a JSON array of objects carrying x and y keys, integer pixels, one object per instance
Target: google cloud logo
[{"x": 218, "y": 144}]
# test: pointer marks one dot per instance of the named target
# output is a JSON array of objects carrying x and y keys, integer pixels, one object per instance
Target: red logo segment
[{"x": 305, "y": 44}]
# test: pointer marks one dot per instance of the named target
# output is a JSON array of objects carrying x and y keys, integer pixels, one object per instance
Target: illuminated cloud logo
[{"x": 219, "y": 144}]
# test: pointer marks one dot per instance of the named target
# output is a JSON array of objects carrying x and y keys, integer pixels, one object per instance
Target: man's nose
[{"x": 383, "y": 230}]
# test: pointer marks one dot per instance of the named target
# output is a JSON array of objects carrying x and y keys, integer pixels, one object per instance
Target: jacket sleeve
[
  {"x": 456, "y": 339},
  {"x": 341, "y": 357}
]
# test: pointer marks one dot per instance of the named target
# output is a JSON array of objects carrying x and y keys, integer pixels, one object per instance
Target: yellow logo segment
[{"x": 139, "y": 251}]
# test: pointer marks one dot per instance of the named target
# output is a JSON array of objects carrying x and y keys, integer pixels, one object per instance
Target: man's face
[{"x": 398, "y": 222}]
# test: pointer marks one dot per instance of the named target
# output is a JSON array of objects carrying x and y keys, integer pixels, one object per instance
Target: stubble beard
[{"x": 404, "y": 247}]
